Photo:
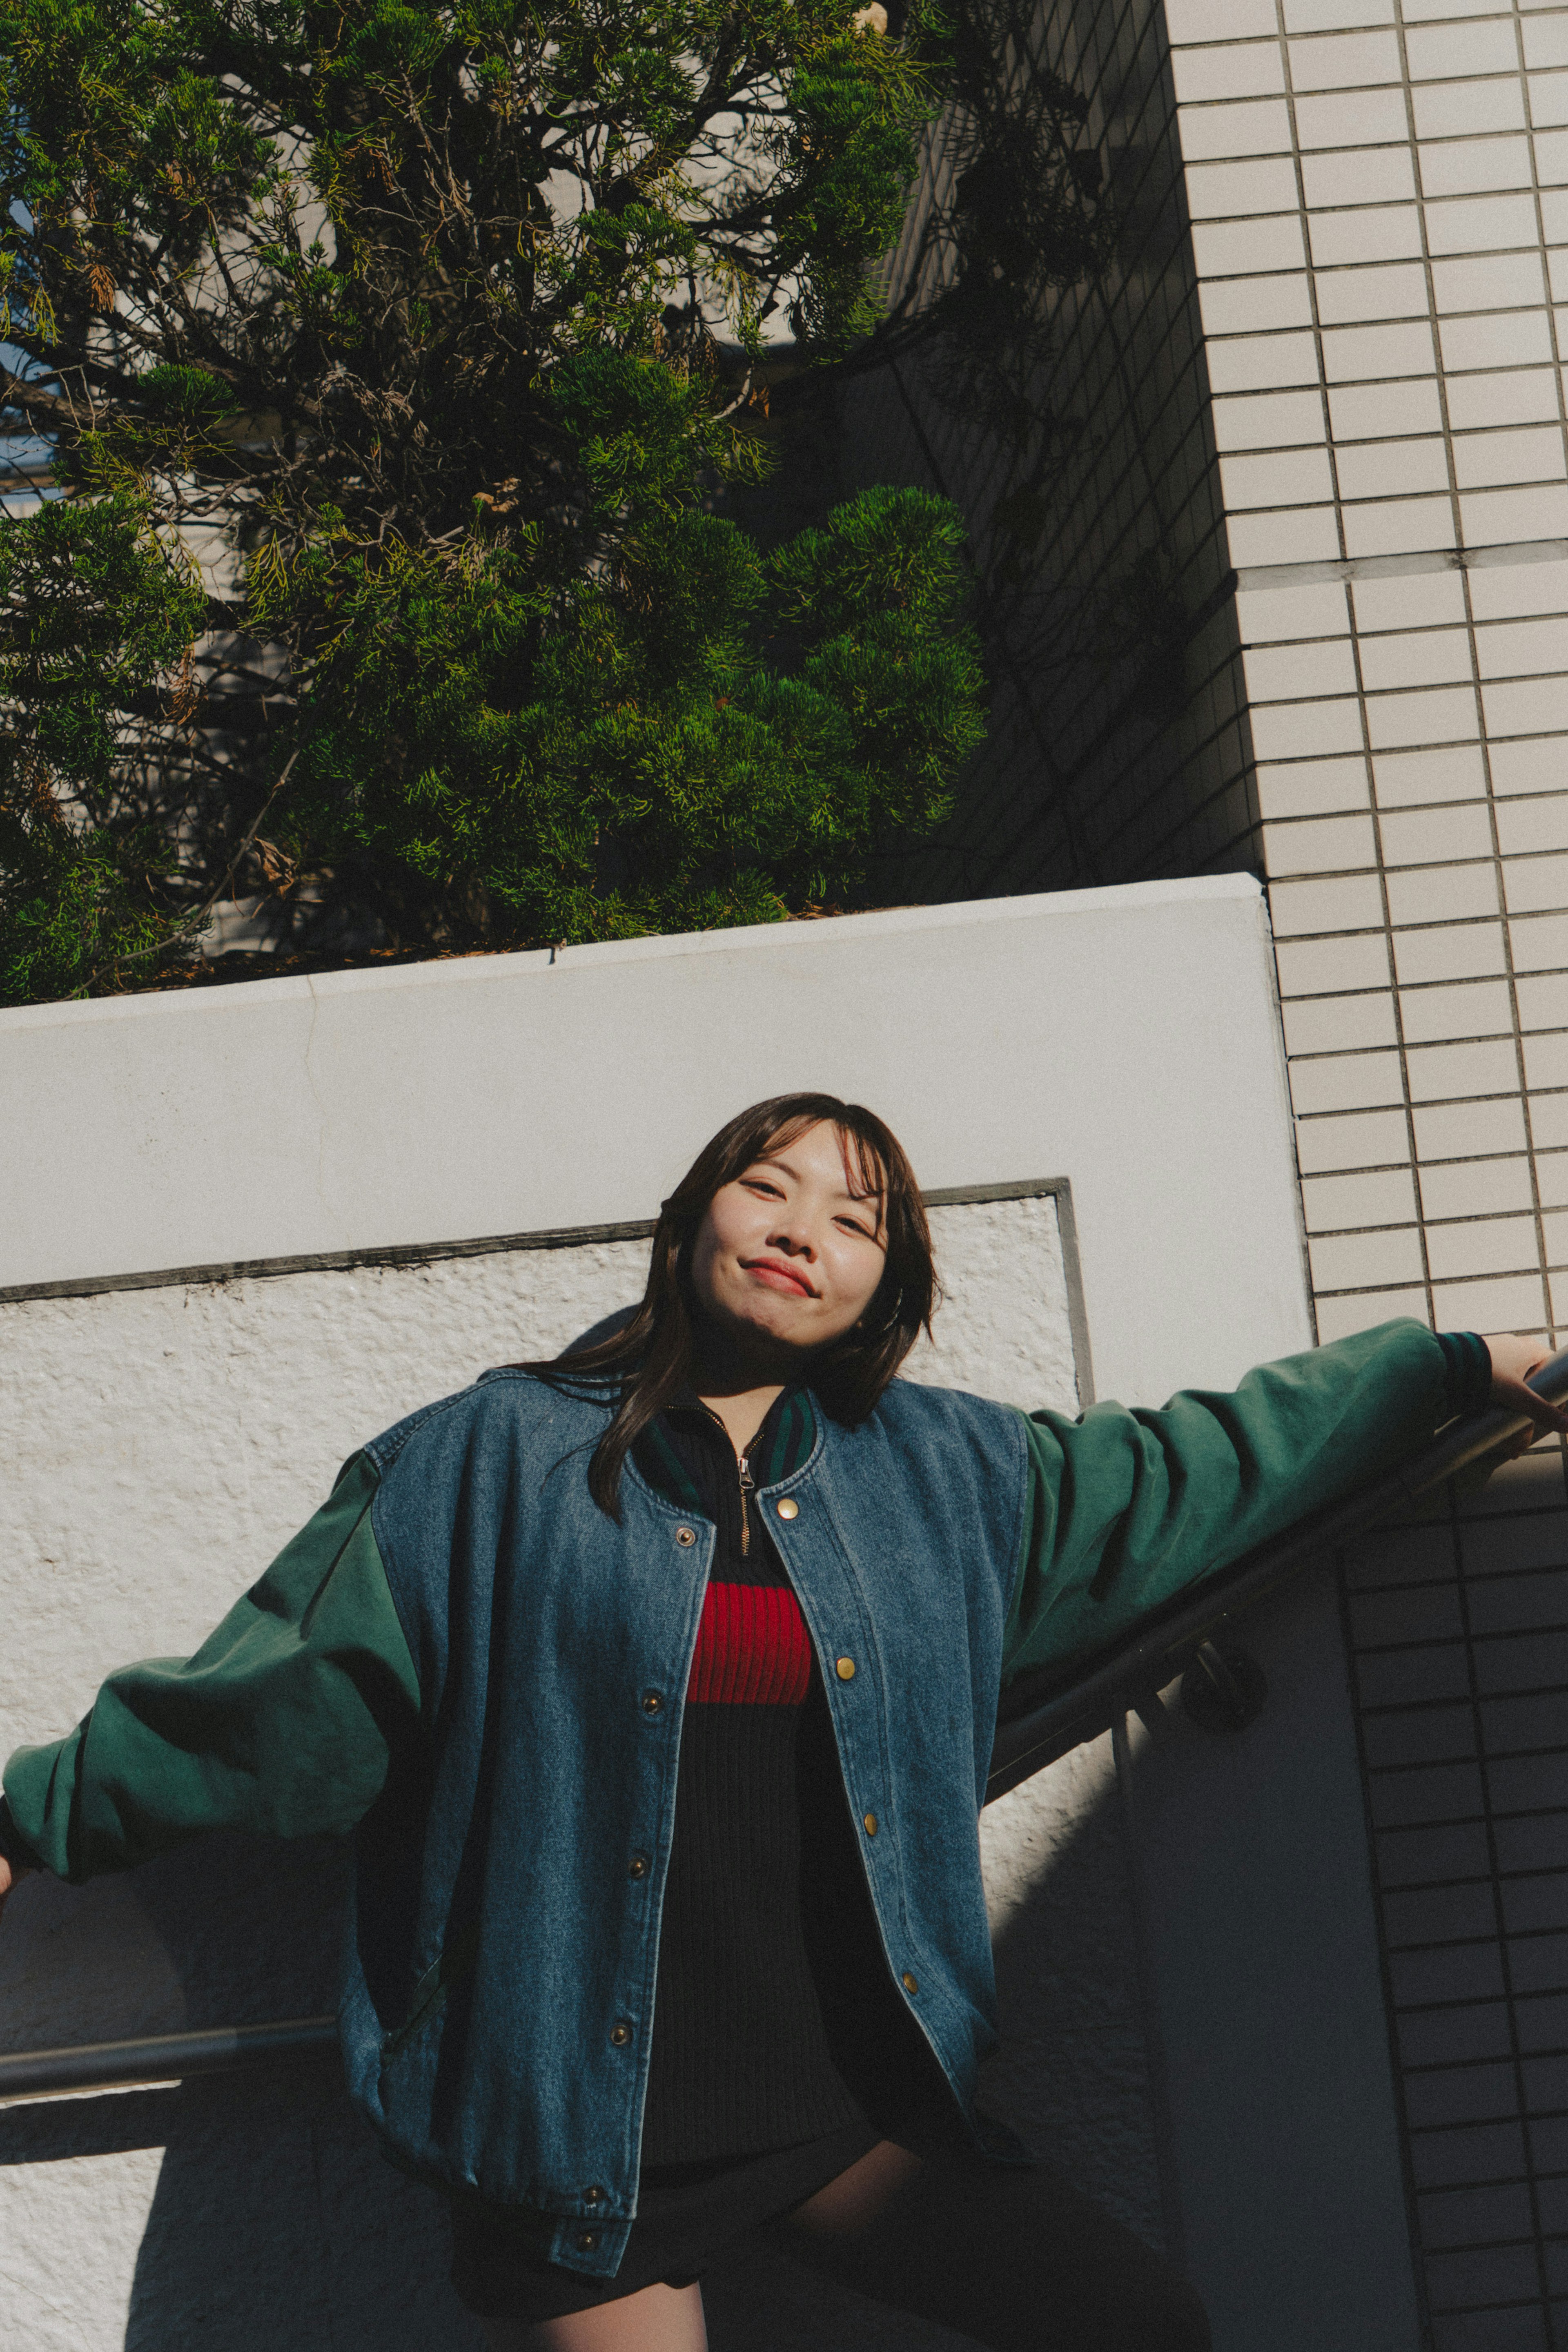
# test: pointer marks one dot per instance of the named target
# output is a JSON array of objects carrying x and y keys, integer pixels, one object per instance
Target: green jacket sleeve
[
  {"x": 1127, "y": 1507},
  {"x": 283, "y": 1721}
]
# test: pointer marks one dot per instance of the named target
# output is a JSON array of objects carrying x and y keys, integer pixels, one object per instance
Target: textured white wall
[{"x": 162, "y": 1443}]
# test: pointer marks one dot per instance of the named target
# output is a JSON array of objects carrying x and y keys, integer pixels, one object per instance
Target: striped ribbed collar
[{"x": 686, "y": 1455}]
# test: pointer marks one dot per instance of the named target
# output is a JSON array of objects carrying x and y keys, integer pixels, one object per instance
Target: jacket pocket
[{"x": 450, "y": 1967}]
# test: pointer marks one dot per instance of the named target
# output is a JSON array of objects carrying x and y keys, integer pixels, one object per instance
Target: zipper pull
[{"x": 748, "y": 1488}]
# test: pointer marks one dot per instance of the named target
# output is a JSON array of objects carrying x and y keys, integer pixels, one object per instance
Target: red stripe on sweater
[{"x": 753, "y": 1649}]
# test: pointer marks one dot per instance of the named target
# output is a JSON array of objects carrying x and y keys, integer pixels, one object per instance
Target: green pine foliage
[{"x": 374, "y": 345}]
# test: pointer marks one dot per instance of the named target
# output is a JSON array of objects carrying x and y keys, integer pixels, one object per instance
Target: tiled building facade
[{"x": 1324, "y": 383}]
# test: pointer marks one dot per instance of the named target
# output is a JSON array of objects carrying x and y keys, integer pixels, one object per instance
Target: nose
[{"x": 794, "y": 1239}]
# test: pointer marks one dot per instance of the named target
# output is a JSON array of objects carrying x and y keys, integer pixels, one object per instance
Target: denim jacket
[{"x": 468, "y": 1666}]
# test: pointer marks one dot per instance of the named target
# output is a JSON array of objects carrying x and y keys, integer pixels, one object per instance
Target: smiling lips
[{"x": 778, "y": 1276}]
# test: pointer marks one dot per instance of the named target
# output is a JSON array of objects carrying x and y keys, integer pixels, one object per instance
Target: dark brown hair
[{"x": 651, "y": 1358}]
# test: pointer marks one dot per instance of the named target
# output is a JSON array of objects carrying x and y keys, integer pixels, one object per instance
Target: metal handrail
[
  {"x": 1048, "y": 1724},
  {"x": 90, "y": 2067}
]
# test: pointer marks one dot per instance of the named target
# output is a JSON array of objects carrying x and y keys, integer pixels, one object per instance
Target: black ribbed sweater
[{"x": 775, "y": 2019}]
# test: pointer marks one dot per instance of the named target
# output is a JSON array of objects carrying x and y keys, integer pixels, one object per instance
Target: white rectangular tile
[
  {"x": 1258, "y": 126},
  {"x": 1392, "y": 468},
  {"x": 1426, "y": 836},
  {"x": 1464, "y": 167},
  {"x": 1218, "y": 20},
  {"x": 1311, "y": 787},
  {"x": 1517, "y": 453},
  {"x": 1352, "y": 354},
  {"x": 1546, "y": 40},
  {"x": 1535, "y": 886},
  {"x": 1247, "y": 306},
  {"x": 1526, "y": 707},
  {"x": 1341, "y": 1082},
  {"x": 1374, "y": 410},
  {"x": 1454, "y": 110},
  {"x": 1335, "y": 16},
  {"x": 1477, "y": 1008},
  {"x": 1466, "y": 224},
  {"x": 1474, "y": 1187},
  {"x": 1529, "y": 767},
  {"x": 1389, "y": 290},
  {"x": 1354, "y": 903},
  {"x": 1266, "y": 616},
  {"x": 1324, "y": 844},
  {"x": 1540, "y": 943},
  {"x": 1309, "y": 966},
  {"x": 1511, "y": 339},
  {"x": 1497, "y": 281},
  {"x": 1262, "y": 363},
  {"x": 1246, "y": 247},
  {"x": 1268, "y": 420},
  {"x": 1283, "y": 535},
  {"x": 1539, "y": 822},
  {"x": 1508, "y": 396},
  {"x": 1302, "y": 732},
  {"x": 1411, "y": 600},
  {"x": 1358, "y": 175},
  {"x": 1372, "y": 233},
  {"x": 1424, "y": 657},
  {"x": 1361, "y": 1310},
  {"x": 1542, "y": 1002},
  {"x": 1386, "y": 1197},
  {"x": 1345, "y": 60},
  {"x": 1411, "y": 778},
  {"x": 1288, "y": 673},
  {"x": 1523, "y": 648},
  {"x": 1218, "y": 191},
  {"x": 1547, "y": 97},
  {"x": 1482, "y": 1245},
  {"x": 1239, "y": 70},
  {"x": 1496, "y": 518},
  {"x": 1499, "y": 591},
  {"x": 1442, "y": 894},
  {"x": 1455, "y": 52},
  {"x": 1367, "y": 117},
  {"x": 1467, "y": 1130},
  {"x": 1339, "y": 1024},
  {"x": 1398, "y": 527},
  {"x": 1454, "y": 951},
  {"x": 1357, "y": 1261},
  {"x": 1354, "y": 1140},
  {"x": 1552, "y": 158}
]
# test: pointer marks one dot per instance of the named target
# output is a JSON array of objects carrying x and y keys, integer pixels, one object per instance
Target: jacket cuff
[
  {"x": 1466, "y": 1363},
  {"x": 14, "y": 1846}
]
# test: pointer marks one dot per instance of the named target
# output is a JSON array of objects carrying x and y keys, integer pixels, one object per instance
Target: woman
[{"x": 657, "y": 1686}]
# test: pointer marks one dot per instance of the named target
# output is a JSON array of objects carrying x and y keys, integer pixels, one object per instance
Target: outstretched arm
[
  {"x": 1130, "y": 1507},
  {"x": 283, "y": 1721}
]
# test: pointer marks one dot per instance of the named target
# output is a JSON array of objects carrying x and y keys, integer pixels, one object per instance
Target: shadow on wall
[{"x": 276, "y": 2226}]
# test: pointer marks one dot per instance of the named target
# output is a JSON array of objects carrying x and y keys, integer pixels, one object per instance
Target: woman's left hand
[{"x": 1512, "y": 1362}]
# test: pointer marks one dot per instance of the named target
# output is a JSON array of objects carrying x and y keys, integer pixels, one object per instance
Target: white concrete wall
[{"x": 163, "y": 1440}]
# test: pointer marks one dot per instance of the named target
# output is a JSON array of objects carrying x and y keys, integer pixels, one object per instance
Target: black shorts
[{"x": 687, "y": 2216}]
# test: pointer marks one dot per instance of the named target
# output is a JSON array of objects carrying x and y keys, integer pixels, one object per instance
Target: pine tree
[{"x": 387, "y": 564}]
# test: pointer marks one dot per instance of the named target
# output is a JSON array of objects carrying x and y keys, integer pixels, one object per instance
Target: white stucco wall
[{"x": 163, "y": 1440}]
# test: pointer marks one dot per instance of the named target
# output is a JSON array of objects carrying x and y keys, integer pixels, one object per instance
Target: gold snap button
[
  {"x": 621, "y": 2032},
  {"x": 788, "y": 1507},
  {"x": 910, "y": 1984},
  {"x": 593, "y": 2196},
  {"x": 686, "y": 1536},
  {"x": 651, "y": 1702},
  {"x": 638, "y": 1866},
  {"x": 870, "y": 1824},
  {"x": 586, "y": 2241},
  {"x": 845, "y": 1669}
]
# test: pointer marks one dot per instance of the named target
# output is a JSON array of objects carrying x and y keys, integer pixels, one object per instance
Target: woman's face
[{"x": 791, "y": 1253}]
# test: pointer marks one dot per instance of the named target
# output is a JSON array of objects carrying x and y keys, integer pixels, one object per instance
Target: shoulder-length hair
[{"x": 652, "y": 1358}]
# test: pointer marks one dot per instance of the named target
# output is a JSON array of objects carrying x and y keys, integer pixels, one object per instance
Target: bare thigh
[
  {"x": 1016, "y": 2258},
  {"x": 658, "y": 2319}
]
